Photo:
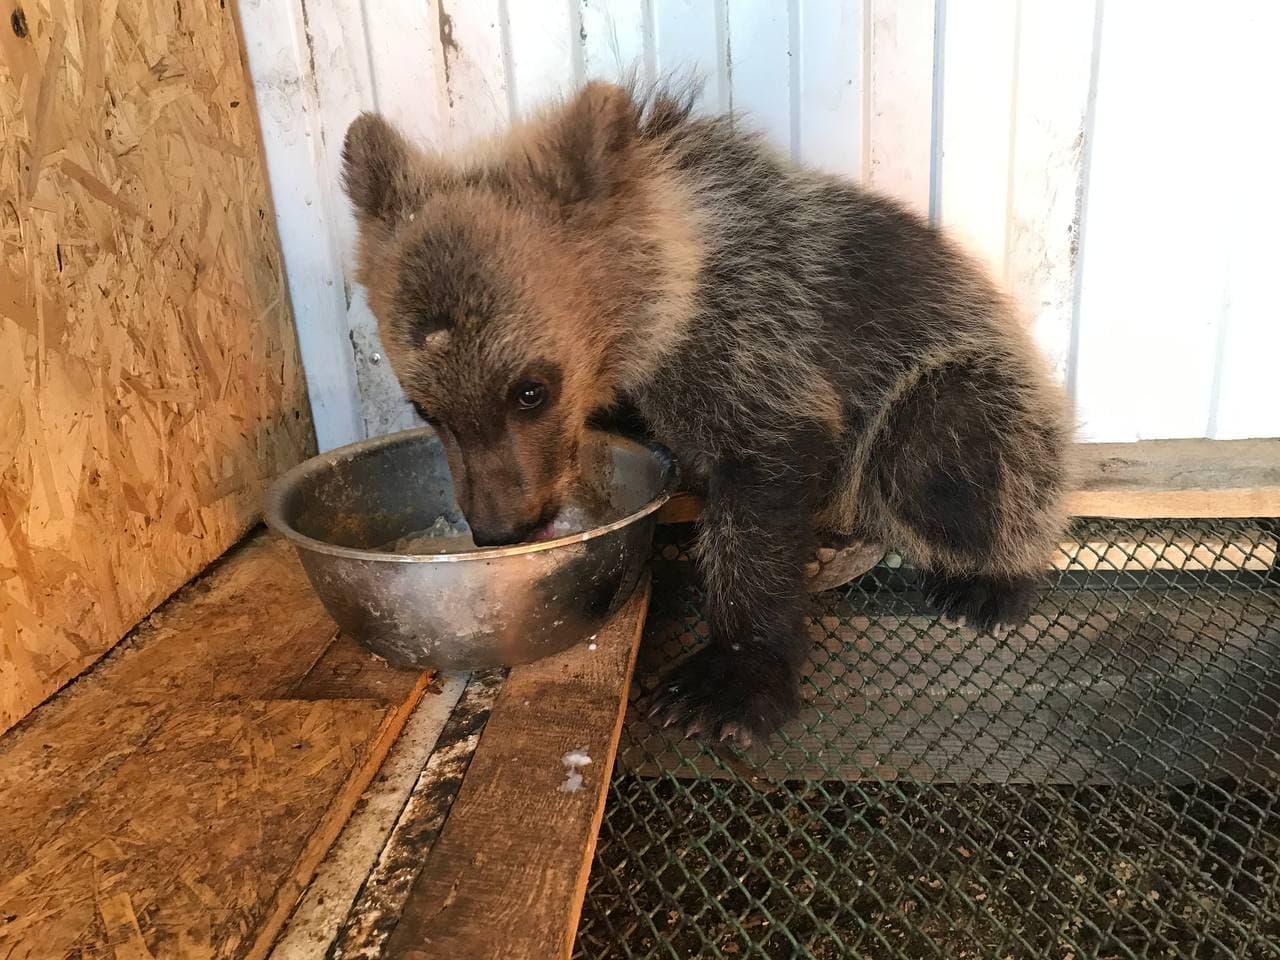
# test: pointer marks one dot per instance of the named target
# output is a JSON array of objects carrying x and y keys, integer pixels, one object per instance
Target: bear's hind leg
[
  {"x": 988, "y": 604},
  {"x": 968, "y": 477}
]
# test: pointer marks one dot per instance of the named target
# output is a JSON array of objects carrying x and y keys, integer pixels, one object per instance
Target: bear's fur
[{"x": 821, "y": 361}]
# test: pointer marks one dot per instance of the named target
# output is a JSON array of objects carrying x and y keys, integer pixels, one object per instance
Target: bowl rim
[{"x": 273, "y": 511}]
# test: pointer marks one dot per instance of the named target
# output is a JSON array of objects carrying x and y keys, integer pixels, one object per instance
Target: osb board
[
  {"x": 177, "y": 798},
  {"x": 149, "y": 374}
]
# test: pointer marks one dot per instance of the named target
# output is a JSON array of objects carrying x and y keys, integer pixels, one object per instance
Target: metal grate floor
[{"x": 1104, "y": 782}]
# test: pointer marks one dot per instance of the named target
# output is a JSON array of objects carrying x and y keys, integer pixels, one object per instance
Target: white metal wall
[{"x": 1113, "y": 162}]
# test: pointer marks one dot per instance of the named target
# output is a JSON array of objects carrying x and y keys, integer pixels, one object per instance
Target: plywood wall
[
  {"x": 1111, "y": 162},
  {"x": 149, "y": 375}
]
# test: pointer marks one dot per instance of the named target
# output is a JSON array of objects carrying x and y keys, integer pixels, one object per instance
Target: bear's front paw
[{"x": 723, "y": 694}]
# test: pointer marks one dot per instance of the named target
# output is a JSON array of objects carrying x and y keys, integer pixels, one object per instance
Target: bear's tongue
[{"x": 545, "y": 532}]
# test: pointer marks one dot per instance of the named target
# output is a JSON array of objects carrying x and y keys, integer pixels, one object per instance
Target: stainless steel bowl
[{"x": 481, "y": 608}]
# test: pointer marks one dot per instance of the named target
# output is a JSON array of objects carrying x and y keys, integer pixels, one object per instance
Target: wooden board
[
  {"x": 1253, "y": 549},
  {"x": 149, "y": 376},
  {"x": 175, "y": 801},
  {"x": 1154, "y": 478},
  {"x": 1179, "y": 478},
  {"x": 508, "y": 873},
  {"x": 899, "y": 122},
  {"x": 344, "y": 876},
  {"x": 1192, "y": 357},
  {"x": 372, "y": 918}
]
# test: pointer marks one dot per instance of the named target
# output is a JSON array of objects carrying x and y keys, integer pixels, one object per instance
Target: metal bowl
[{"x": 480, "y": 608}]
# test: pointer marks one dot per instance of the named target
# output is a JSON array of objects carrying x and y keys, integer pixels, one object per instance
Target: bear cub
[{"x": 824, "y": 363}]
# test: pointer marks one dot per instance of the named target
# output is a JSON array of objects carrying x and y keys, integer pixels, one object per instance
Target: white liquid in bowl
[{"x": 450, "y": 534}]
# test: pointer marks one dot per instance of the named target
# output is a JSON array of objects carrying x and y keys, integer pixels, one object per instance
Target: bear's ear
[
  {"x": 379, "y": 169},
  {"x": 589, "y": 139}
]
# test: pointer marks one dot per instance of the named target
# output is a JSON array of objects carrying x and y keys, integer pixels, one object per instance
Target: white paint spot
[
  {"x": 573, "y": 762},
  {"x": 591, "y": 646}
]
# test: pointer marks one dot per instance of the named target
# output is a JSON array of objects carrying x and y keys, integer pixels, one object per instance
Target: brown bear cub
[{"x": 824, "y": 363}]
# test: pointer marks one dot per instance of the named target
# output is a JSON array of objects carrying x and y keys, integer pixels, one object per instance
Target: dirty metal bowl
[{"x": 480, "y": 608}]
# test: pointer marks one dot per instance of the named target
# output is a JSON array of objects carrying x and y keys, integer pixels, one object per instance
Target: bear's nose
[{"x": 495, "y": 534}]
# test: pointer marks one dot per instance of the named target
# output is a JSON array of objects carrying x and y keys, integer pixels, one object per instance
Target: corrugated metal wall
[{"x": 1113, "y": 162}]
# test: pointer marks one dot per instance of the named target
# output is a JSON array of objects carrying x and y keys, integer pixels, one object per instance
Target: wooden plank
[
  {"x": 898, "y": 142},
  {"x": 472, "y": 41},
  {"x": 363, "y": 933},
  {"x": 614, "y": 38},
  {"x": 688, "y": 38},
  {"x": 1154, "y": 478},
  {"x": 979, "y": 92},
  {"x": 205, "y": 644},
  {"x": 1145, "y": 258},
  {"x": 507, "y": 876},
  {"x": 199, "y": 820},
  {"x": 278, "y": 56},
  {"x": 1253, "y": 550},
  {"x": 313, "y": 927},
  {"x": 830, "y": 92},
  {"x": 681, "y": 508},
  {"x": 542, "y": 55},
  {"x": 346, "y": 671},
  {"x": 176, "y": 800},
  {"x": 1098, "y": 688},
  {"x": 336, "y": 812},
  {"x": 1178, "y": 478},
  {"x": 150, "y": 382},
  {"x": 1047, "y": 166},
  {"x": 761, "y": 57}
]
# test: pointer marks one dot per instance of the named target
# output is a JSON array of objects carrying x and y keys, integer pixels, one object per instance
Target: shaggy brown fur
[{"x": 817, "y": 357}]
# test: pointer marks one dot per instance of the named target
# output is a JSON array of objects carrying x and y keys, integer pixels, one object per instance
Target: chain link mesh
[{"x": 1101, "y": 782}]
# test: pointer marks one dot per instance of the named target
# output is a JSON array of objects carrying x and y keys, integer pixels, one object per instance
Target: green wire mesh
[{"x": 1102, "y": 782}]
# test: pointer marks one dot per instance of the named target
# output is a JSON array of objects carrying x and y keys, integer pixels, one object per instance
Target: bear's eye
[
  {"x": 530, "y": 395},
  {"x": 423, "y": 412}
]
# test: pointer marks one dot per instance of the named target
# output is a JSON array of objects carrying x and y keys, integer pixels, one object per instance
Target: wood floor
[
  {"x": 174, "y": 801},
  {"x": 177, "y": 800}
]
